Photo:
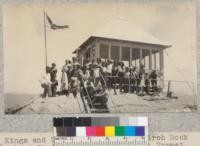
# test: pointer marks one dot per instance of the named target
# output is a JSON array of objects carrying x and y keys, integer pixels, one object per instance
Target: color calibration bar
[
  {"x": 100, "y": 126},
  {"x": 101, "y": 131}
]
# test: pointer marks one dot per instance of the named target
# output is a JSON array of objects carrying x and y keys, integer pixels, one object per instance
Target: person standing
[
  {"x": 54, "y": 82},
  {"x": 70, "y": 67},
  {"x": 74, "y": 82},
  {"x": 153, "y": 77},
  {"x": 142, "y": 84},
  {"x": 64, "y": 78},
  {"x": 147, "y": 83},
  {"x": 95, "y": 71},
  {"x": 53, "y": 72},
  {"x": 86, "y": 72},
  {"x": 109, "y": 74},
  {"x": 46, "y": 85},
  {"x": 126, "y": 80},
  {"x": 121, "y": 70},
  {"x": 133, "y": 80},
  {"x": 141, "y": 81},
  {"x": 114, "y": 76}
]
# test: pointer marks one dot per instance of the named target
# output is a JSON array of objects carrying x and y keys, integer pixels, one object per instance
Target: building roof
[{"x": 120, "y": 29}]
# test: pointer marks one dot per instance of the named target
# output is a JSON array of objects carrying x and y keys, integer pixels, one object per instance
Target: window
[
  {"x": 155, "y": 59},
  {"x": 104, "y": 51},
  {"x": 145, "y": 56},
  {"x": 125, "y": 53},
  {"x": 135, "y": 57},
  {"x": 115, "y": 52}
]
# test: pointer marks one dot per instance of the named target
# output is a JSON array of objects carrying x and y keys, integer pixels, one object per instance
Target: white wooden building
[{"x": 121, "y": 40}]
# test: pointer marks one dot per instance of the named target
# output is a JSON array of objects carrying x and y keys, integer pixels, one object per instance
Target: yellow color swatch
[{"x": 109, "y": 131}]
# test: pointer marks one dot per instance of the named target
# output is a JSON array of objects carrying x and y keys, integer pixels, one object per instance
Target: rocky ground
[{"x": 121, "y": 103}]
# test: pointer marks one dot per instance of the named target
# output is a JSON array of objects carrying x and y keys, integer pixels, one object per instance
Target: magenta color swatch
[{"x": 90, "y": 131}]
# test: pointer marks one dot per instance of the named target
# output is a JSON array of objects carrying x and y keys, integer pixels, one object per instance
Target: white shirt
[
  {"x": 104, "y": 69},
  {"x": 45, "y": 79},
  {"x": 109, "y": 68},
  {"x": 97, "y": 72}
]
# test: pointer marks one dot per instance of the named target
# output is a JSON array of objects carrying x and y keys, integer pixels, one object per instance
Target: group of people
[{"x": 100, "y": 74}]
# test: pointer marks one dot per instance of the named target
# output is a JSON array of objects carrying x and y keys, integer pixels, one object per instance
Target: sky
[{"x": 23, "y": 32}]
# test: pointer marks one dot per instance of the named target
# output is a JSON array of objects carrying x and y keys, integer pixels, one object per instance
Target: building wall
[{"x": 131, "y": 53}]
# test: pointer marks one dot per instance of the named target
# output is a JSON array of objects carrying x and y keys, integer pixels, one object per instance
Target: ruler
[{"x": 100, "y": 141}]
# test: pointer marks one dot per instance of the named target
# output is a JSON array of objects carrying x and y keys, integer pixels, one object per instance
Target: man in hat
[
  {"x": 74, "y": 82},
  {"x": 54, "y": 82},
  {"x": 126, "y": 80},
  {"x": 114, "y": 76},
  {"x": 109, "y": 73},
  {"x": 99, "y": 61},
  {"x": 96, "y": 73},
  {"x": 153, "y": 77},
  {"x": 147, "y": 82},
  {"x": 133, "y": 78},
  {"x": 53, "y": 71},
  {"x": 121, "y": 71}
]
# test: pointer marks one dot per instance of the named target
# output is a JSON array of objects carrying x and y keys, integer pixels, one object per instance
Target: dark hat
[
  {"x": 74, "y": 58},
  {"x": 110, "y": 61},
  {"x": 53, "y": 64}
]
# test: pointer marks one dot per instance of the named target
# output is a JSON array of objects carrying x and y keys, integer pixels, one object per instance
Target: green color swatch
[{"x": 119, "y": 131}]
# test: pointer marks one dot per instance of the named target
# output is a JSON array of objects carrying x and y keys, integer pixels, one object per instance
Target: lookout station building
[{"x": 121, "y": 40}]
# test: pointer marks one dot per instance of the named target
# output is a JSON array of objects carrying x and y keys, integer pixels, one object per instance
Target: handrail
[{"x": 152, "y": 79}]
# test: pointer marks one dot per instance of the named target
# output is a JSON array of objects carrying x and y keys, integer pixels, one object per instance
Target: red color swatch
[{"x": 100, "y": 131}]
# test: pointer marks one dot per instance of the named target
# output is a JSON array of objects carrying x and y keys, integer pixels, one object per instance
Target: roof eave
[{"x": 161, "y": 45}]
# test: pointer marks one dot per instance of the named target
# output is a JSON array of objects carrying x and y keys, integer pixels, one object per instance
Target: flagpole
[{"x": 45, "y": 40}]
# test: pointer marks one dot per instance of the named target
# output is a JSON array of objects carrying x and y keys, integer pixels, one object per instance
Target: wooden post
[
  {"x": 77, "y": 53},
  {"x": 45, "y": 42},
  {"x": 109, "y": 51},
  {"x": 162, "y": 65},
  {"x": 140, "y": 61},
  {"x": 78, "y": 56},
  {"x": 120, "y": 53},
  {"x": 150, "y": 59},
  {"x": 97, "y": 49},
  {"x": 154, "y": 60},
  {"x": 82, "y": 59},
  {"x": 130, "y": 59},
  {"x": 91, "y": 53},
  {"x": 161, "y": 60}
]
